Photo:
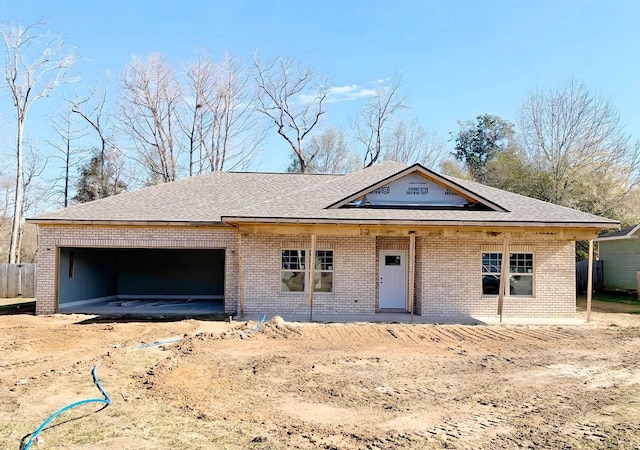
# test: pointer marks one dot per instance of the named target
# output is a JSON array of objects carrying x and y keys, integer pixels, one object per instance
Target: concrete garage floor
[{"x": 149, "y": 307}]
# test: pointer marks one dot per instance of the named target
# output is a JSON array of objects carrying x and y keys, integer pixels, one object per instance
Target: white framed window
[
  {"x": 521, "y": 272},
  {"x": 323, "y": 271},
  {"x": 294, "y": 271}
]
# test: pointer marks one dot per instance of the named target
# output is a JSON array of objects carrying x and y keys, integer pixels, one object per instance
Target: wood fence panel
[
  {"x": 582, "y": 273},
  {"x": 4, "y": 280},
  {"x": 17, "y": 280}
]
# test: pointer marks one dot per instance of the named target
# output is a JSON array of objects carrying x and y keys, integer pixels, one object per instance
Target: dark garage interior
[{"x": 141, "y": 281}]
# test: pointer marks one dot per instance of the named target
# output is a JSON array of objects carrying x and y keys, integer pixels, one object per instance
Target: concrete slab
[
  {"x": 147, "y": 307},
  {"x": 406, "y": 318}
]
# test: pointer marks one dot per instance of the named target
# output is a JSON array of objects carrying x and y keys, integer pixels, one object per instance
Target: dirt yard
[{"x": 311, "y": 386}]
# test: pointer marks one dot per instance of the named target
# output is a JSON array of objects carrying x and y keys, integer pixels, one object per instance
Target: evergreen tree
[
  {"x": 98, "y": 182},
  {"x": 480, "y": 141}
]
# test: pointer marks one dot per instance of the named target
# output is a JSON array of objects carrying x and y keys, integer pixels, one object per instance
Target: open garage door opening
[{"x": 156, "y": 282}]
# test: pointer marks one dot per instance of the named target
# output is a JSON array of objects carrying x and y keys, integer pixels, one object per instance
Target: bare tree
[
  {"x": 332, "y": 154},
  {"x": 374, "y": 119},
  {"x": 35, "y": 193},
  {"x": 67, "y": 133},
  {"x": 576, "y": 142},
  {"x": 197, "y": 120},
  {"x": 148, "y": 114},
  {"x": 91, "y": 110},
  {"x": 293, "y": 99},
  {"x": 220, "y": 123},
  {"x": 35, "y": 63},
  {"x": 410, "y": 142}
]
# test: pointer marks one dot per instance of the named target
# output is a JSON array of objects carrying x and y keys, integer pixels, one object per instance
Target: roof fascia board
[
  {"x": 232, "y": 220},
  {"x": 62, "y": 222},
  {"x": 429, "y": 174}
]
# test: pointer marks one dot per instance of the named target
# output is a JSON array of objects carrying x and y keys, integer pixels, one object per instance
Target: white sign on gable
[{"x": 414, "y": 189}]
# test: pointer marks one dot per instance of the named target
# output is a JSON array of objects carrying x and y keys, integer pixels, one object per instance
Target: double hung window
[
  {"x": 295, "y": 270},
  {"x": 520, "y": 273}
]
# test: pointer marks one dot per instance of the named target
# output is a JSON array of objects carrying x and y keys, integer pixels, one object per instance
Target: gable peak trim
[{"x": 428, "y": 174}]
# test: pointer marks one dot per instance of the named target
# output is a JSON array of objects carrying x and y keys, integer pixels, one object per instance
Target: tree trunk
[{"x": 14, "y": 248}]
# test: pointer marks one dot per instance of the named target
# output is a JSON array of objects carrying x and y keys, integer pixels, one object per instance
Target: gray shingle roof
[
  {"x": 629, "y": 232},
  {"x": 213, "y": 197}
]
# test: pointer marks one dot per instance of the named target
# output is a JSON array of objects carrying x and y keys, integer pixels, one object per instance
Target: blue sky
[{"x": 459, "y": 59}]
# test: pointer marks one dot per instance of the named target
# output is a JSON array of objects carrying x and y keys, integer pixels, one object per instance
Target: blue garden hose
[
  {"x": 106, "y": 400},
  {"x": 158, "y": 343},
  {"x": 258, "y": 326}
]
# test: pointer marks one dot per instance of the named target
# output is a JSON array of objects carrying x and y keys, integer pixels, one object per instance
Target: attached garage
[{"x": 141, "y": 281}]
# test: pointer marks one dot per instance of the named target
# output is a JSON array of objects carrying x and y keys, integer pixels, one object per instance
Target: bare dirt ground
[{"x": 312, "y": 386}]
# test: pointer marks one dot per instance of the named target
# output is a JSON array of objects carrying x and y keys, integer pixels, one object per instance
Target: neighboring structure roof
[
  {"x": 630, "y": 232},
  {"x": 305, "y": 198}
]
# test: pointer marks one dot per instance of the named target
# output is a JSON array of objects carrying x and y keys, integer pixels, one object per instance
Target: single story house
[
  {"x": 388, "y": 238},
  {"x": 619, "y": 252}
]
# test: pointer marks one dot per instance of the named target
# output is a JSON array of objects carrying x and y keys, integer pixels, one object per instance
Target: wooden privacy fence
[
  {"x": 17, "y": 280},
  {"x": 582, "y": 268}
]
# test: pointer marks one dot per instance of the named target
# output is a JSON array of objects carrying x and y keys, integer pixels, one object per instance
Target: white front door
[{"x": 392, "y": 285}]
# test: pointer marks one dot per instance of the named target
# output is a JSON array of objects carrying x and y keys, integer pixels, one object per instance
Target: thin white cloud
[
  {"x": 348, "y": 93},
  {"x": 337, "y": 94}
]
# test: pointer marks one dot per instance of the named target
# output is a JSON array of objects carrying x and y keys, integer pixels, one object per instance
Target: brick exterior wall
[
  {"x": 448, "y": 270},
  {"x": 354, "y": 285},
  {"x": 450, "y": 282},
  {"x": 50, "y": 238}
]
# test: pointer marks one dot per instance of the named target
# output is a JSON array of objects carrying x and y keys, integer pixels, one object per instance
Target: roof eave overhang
[
  {"x": 237, "y": 220},
  {"x": 148, "y": 223}
]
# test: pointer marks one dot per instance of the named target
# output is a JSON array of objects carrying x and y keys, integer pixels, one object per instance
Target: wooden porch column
[
  {"x": 589, "y": 280},
  {"x": 412, "y": 272},
  {"x": 503, "y": 275},
  {"x": 240, "y": 276},
  {"x": 312, "y": 269}
]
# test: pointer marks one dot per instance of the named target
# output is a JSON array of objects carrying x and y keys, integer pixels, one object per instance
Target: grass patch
[
  {"x": 610, "y": 302},
  {"x": 18, "y": 307},
  {"x": 616, "y": 297}
]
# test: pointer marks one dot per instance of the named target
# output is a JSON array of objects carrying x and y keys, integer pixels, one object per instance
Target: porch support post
[
  {"x": 503, "y": 275},
  {"x": 412, "y": 272},
  {"x": 312, "y": 268},
  {"x": 589, "y": 280},
  {"x": 240, "y": 276}
]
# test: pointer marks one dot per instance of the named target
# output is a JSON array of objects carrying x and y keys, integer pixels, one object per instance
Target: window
[
  {"x": 491, "y": 264},
  {"x": 392, "y": 260},
  {"x": 294, "y": 271},
  {"x": 520, "y": 273},
  {"x": 323, "y": 271}
]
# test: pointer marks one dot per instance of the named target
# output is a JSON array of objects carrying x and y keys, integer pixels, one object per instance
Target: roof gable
[
  {"x": 631, "y": 232},
  {"x": 416, "y": 187}
]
